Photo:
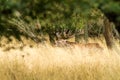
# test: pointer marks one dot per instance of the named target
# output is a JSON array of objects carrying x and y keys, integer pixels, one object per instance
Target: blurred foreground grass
[{"x": 45, "y": 62}]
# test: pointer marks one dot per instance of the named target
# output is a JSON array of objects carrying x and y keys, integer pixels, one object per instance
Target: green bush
[{"x": 56, "y": 17}]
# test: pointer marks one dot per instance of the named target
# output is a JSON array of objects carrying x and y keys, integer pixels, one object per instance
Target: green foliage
[{"x": 56, "y": 17}]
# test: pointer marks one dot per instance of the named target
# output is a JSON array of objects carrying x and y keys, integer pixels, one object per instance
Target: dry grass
[{"x": 30, "y": 61}]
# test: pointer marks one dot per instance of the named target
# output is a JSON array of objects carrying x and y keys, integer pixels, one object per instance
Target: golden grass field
[{"x": 29, "y": 61}]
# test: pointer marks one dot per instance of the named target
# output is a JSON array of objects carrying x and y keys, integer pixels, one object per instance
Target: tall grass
[{"x": 45, "y": 62}]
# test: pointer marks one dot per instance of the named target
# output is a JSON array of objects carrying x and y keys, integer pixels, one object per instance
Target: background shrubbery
[{"x": 59, "y": 19}]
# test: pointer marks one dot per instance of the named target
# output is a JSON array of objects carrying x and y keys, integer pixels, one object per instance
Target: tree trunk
[{"x": 108, "y": 33}]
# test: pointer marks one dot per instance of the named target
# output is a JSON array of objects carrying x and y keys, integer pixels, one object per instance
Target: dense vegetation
[{"x": 60, "y": 19}]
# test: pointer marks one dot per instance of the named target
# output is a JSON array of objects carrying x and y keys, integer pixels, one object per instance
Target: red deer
[
  {"x": 91, "y": 45},
  {"x": 62, "y": 43}
]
